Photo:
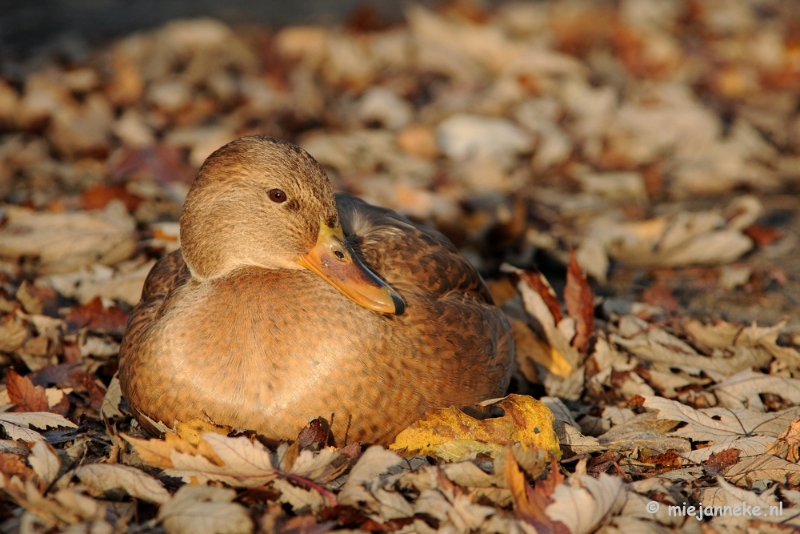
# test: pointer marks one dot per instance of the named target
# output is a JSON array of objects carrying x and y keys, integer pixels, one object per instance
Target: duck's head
[{"x": 260, "y": 201}]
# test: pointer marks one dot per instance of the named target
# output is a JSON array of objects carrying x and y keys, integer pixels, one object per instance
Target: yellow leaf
[
  {"x": 153, "y": 452},
  {"x": 193, "y": 430},
  {"x": 158, "y": 452},
  {"x": 450, "y": 434},
  {"x": 531, "y": 349}
]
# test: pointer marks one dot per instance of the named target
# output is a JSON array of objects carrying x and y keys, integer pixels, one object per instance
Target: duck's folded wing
[
  {"x": 405, "y": 254},
  {"x": 168, "y": 273}
]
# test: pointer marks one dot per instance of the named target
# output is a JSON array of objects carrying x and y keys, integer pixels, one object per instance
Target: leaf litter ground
[{"x": 645, "y": 155}]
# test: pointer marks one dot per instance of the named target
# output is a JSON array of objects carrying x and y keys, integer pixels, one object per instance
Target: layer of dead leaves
[{"x": 650, "y": 144}]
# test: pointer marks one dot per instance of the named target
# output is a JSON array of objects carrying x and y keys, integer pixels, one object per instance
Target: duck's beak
[{"x": 334, "y": 260}]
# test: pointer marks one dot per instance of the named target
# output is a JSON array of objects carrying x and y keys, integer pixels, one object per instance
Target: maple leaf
[{"x": 25, "y": 396}]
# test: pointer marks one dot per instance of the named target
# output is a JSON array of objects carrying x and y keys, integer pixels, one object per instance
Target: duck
[{"x": 288, "y": 302}]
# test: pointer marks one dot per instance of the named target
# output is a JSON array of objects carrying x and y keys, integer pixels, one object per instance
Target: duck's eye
[{"x": 276, "y": 195}]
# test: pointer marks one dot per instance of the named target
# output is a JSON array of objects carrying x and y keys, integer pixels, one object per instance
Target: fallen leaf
[
  {"x": 12, "y": 464},
  {"x": 563, "y": 355},
  {"x": 451, "y": 434},
  {"x": 64, "y": 242},
  {"x": 17, "y": 424},
  {"x": 587, "y": 502},
  {"x": 196, "y": 509},
  {"x": 103, "y": 478},
  {"x": 721, "y": 425},
  {"x": 528, "y": 505},
  {"x": 747, "y": 446},
  {"x": 719, "y": 461},
  {"x": 744, "y": 390},
  {"x": 539, "y": 283},
  {"x": 660, "y": 294},
  {"x": 763, "y": 235},
  {"x": 750, "y": 470},
  {"x": 301, "y": 500},
  {"x": 45, "y": 463},
  {"x": 24, "y": 395},
  {"x": 579, "y": 299},
  {"x": 787, "y": 446},
  {"x": 246, "y": 462},
  {"x": 112, "y": 399},
  {"x": 656, "y": 345},
  {"x": 95, "y": 316},
  {"x": 728, "y": 495}
]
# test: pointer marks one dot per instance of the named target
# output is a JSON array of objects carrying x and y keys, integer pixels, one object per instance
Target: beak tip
[{"x": 399, "y": 305}]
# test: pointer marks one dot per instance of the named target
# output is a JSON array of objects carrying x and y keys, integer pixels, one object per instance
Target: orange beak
[{"x": 334, "y": 260}]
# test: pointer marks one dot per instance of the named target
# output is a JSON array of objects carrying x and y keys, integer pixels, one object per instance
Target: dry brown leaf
[
  {"x": 238, "y": 462},
  {"x": 451, "y": 434},
  {"x": 747, "y": 446},
  {"x": 744, "y": 390},
  {"x": 112, "y": 399},
  {"x": 242, "y": 462},
  {"x": 45, "y": 463},
  {"x": 570, "y": 437},
  {"x": 682, "y": 239},
  {"x": 322, "y": 466},
  {"x": 365, "y": 485},
  {"x": 157, "y": 452},
  {"x": 787, "y": 446},
  {"x": 655, "y": 345},
  {"x": 529, "y": 505},
  {"x": 530, "y": 350},
  {"x": 579, "y": 299},
  {"x": 539, "y": 283},
  {"x": 751, "y": 470},
  {"x": 726, "y": 494},
  {"x": 95, "y": 316},
  {"x": 13, "y": 471},
  {"x": 583, "y": 505},
  {"x": 721, "y": 425},
  {"x": 196, "y": 509},
  {"x": 563, "y": 355},
  {"x": 14, "y": 331},
  {"x": 719, "y": 461},
  {"x": 103, "y": 478},
  {"x": 644, "y": 432},
  {"x": 17, "y": 425},
  {"x": 301, "y": 500},
  {"x": 25, "y": 396},
  {"x": 65, "y": 242},
  {"x": 719, "y": 335}
]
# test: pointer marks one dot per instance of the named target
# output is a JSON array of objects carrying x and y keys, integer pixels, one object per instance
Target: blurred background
[
  {"x": 27, "y": 26},
  {"x": 657, "y": 139}
]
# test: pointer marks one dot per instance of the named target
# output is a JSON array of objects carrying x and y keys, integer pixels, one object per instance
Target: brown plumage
[{"x": 251, "y": 327}]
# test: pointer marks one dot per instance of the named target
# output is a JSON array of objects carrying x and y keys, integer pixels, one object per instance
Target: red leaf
[
  {"x": 661, "y": 295},
  {"x": 719, "y": 461},
  {"x": 98, "y": 196},
  {"x": 579, "y": 298},
  {"x": 548, "y": 485},
  {"x": 539, "y": 283},
  {"x": 94, "y": 316},
  {"x": 24, "y": 395},
  {"x": 762, "y": 235}
]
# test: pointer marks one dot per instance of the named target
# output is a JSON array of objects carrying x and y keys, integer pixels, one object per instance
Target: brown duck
[{"x": 288, "y": 302}]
